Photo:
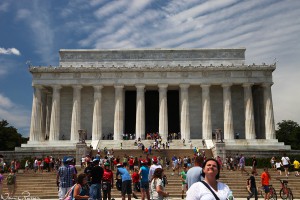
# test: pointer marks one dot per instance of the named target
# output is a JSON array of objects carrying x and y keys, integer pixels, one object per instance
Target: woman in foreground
[{"x": 209, "y": 188}]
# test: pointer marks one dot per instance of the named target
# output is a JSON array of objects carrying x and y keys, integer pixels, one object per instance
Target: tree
[
  {"x": 9, "y": 137},
  {"x": 289, "y": 133}
]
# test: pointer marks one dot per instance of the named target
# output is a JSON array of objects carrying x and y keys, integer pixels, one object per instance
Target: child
[
  {"x": 278, "y": 166},
  {"x": 136, "y": 182}
]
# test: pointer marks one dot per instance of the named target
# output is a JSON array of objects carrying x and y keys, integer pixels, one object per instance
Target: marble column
[
  {"x": 76, "y": 113},
  {"x": 227, "y": 106},
  {"x": 269, "y": 114},
  {"x": 119, "y": 112},
  {"x": 184, "y": 112},
  {"x": 36, "y": 115},
  {"x": 48, "y": 114},
  {"x": 140, "y": 112},
  {"x": 55, "y": 114},
  {"x": 206, "y": 115},
  {"x": 97, "y": 113},
  {"x": 163, "y": 111},
  {"x": 249, "y": 113}
]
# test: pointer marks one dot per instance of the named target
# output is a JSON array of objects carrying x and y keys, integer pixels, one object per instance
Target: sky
[{"x": 33, "y": 31}]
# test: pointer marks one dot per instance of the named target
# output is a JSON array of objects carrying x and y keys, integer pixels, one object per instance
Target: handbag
[
  {"x": 216, "y": 197},
  {"x": 69, "y": 194}
]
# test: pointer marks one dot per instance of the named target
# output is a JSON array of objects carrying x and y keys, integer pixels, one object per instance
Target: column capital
[
  {"x": 56, "y": 87},
  {"x": 77, "y": 87},
  {"x": 184, "y": 85},
  {"x": 162, "y": 86},
  {"x": 267, "y": 84},
  {"x": 38, "y": 86},
  {"x": 205, "y": 85},
  {"x": 224, "y": 85},
  {"x": 97, "y": 87},
  {"x": 119, "y": 86},
  {"x": 247, "y": 84},
  {"x": 140, "y": 86}
]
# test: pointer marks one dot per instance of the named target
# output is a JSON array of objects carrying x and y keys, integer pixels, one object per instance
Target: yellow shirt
[{"x": 296, "y": 164}]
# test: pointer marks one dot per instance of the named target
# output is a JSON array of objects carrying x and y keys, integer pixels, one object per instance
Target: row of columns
[{"x": 36, "y": 122}]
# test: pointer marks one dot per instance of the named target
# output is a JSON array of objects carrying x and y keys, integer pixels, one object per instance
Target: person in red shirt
[
  {"x": 107, "y": 181},
  {"x": 131, "y": 163},
  {"x": 265, "y": 182},
  {"x": 136, "y": 182}
]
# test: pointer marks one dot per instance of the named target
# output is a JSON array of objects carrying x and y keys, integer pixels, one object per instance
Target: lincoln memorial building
[{"x": 189, "y": 92}]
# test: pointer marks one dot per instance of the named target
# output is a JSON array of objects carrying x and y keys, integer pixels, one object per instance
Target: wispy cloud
[
  {"x": 16, "y": 115},
  {"x": 10, "y": 51}
]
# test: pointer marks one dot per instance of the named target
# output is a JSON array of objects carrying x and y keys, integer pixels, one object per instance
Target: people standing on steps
[
  {"x": 242, "y": 164},
  {"x": 286, "y": 163},
  {"x": 157, "y": 188},
  {"x": 107, "y": 181},
  {"x": 81, "y": 190},
  {"x": 265, "y": 182},
  {"x": 126, "y": 181},
  {"x": 65, "y": 177},
  {"x": 183, "y": 180},
  {"x": 252, "y": 184},
  {"x": 136, "y": 182},
  {"x": 210, "y": 187},
  {"x": 153, "y": 167},
  {"x": 194, "y": 174},
  {"x": 144, "y": 184},
  {"x": 96, "y": 179}
]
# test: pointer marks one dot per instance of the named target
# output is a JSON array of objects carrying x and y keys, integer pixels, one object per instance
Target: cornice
[{"x": 154, "y": 68}]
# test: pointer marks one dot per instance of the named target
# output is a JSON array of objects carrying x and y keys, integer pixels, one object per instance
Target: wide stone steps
[{"x": 43, "y": 185}]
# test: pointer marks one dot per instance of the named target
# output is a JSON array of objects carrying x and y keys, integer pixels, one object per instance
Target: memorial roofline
[{"x": 155, "y": 54}]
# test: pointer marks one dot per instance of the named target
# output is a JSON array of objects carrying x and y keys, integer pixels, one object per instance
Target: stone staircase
[{"x": 43, "y": 185}]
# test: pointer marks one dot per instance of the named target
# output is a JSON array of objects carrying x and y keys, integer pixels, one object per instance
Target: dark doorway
[
  {"x": 173, "y": 111},
  {"x": 151, "y": 111},
  {"x": 130, "y": 111}
]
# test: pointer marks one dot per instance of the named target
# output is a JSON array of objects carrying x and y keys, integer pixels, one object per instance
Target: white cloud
[
  {"x": 4, "y": 6},
  {"x": 16, "y": 115},
  {"x": 10, "y": 51}
]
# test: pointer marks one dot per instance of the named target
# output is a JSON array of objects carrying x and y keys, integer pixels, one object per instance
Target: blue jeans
[{"x": 95, "y": 191}]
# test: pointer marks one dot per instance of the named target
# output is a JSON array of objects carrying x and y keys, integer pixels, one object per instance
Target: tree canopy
[
  {"x": 289, "y": 133},
  {"x": 9, "y": 137}
]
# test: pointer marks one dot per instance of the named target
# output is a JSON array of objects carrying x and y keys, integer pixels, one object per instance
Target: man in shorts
[
  {"x": 296, "y": 167},
  {"x": 126, "y": 181},
  {"x": 144, "y": 173},
  {"x": 183, "y": 180},
  {"x": 265, "y": 182}
]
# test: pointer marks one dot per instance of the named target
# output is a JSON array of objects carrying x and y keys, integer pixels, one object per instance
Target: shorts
[
  {"x": 106, "y": 187},
  {"x": 278, "y": 168},
  {"x": 183, "y": 187},
  {"x": 131, "y": 167},
  {"x": 145, "y": 185},
  {"x": 286, "y": 166},
  {"x": 62, "y": 192},
  {"x": 126, "y": 187},
  {"x": 266, "y": 189}
]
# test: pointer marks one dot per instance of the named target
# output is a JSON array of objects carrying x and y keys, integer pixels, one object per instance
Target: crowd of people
[{"x": 144, "y": 175}]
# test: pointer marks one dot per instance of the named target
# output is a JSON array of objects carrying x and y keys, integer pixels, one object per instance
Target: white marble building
[{"x": 191, "y": 91}]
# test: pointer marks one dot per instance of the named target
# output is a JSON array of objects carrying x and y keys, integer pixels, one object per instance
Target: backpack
[{"x": 10, "y": 179}]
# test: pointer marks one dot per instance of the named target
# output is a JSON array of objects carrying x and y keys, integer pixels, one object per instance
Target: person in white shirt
[
  {"x": 286, "y": 163},
  {"x": 153, "y": 167},
  {"x": 210, "y": 188}
]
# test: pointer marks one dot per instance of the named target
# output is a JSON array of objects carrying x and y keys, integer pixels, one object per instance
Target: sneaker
[
  {"x": 134, "y": 195},
  {"x": 172, "y": 174},
  {"x": 182, "y": 197}
]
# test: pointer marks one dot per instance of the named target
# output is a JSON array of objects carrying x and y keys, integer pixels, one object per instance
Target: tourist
[
  {"x": 126, "y": 181},
  {"x": 254, "y": 165},
  {"x": 194, "y": 174},
  {"x": 11, "y": 181},
  {"x": 252, "y": 186},
  {"x": 153, "y": 167},
  {"x": 242, "y": 164},
  {"x": 64, "y": 178},
  {"x": 202, "y": 190},
  {"x": 96, "y": 178},
  {"x": 265, "y": 182},
  {"x": 286, "y": 163},
  {"x": 107, "y": 181},
  {"x": 1, "y": 183},
  {"x": 175, "y": 162},
  {"x": 183, "y": 180},
  {"x": 144, "y": 173},
  {"x": 272, "y": 162},
  {"x": 136, "y": 182},
  {"x": 26, "y": 166},
  {"x": 80, "y": 190},
  {"x": 278, "y": 166},
  {"x": 296, "y": 167},
  {"x": 157, "y": 188}
]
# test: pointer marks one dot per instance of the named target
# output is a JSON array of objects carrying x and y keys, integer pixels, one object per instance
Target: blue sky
[{"x": 35, "y": 30}]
